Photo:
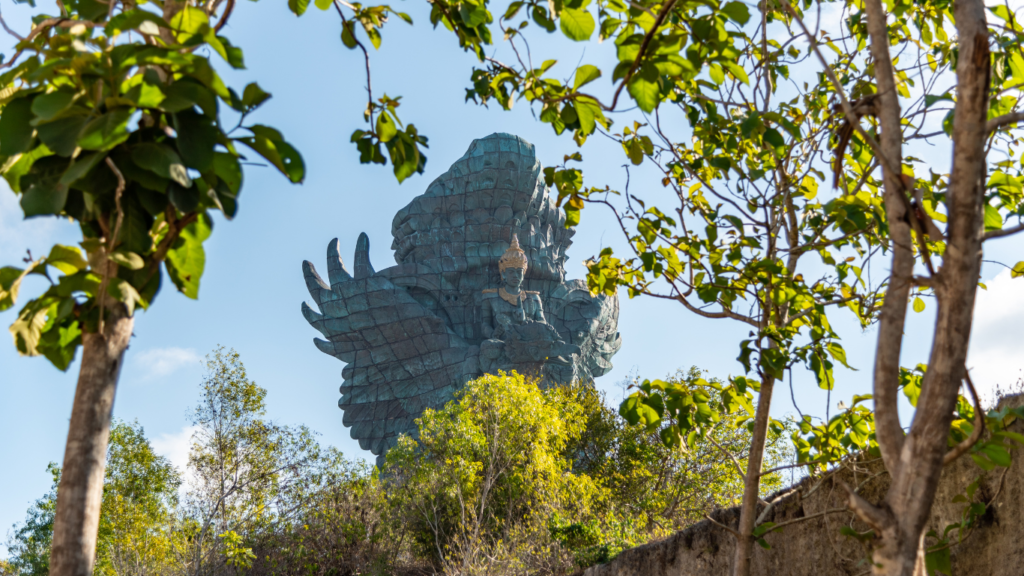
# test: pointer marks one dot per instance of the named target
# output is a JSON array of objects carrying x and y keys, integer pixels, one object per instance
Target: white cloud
[
  {"x": 159, "y": 362},
  {"x": 997, "y": 339},
  {"x": 175, "y": 446}
]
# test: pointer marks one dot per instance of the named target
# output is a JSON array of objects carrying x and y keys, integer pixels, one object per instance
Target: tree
[
  {"x": 754, "y": 233},
  {"x": 248, "y": 474},
  {"x": 667, "y": 486},
  {"x": 487, "y": 474},
  {"x": 109, "y": 116},
  {"x": 140, "y": 491}
]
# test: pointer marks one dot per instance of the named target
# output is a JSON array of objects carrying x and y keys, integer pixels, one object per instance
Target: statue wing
[{"x": 401, "y": 358}]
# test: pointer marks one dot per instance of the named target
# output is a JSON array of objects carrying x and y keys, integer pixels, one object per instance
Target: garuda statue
[{"x": 479, "y": 286}]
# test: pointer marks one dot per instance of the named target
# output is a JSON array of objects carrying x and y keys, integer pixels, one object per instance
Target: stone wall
[{"x": 815, "y": 547}]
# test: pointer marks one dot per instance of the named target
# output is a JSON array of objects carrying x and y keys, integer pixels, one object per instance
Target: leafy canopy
[{"x": 113, "y": 116}]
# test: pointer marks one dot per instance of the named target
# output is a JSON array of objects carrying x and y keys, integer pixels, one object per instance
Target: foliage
[
  {"x": 487, "y": 473},
  {"x": 110, "y": 115},
  {"x": 248, "y": 471},
  {"x": 28, "y": 548},
  {"x": 140, "y": 492},
  {"x": 664, "y": 486}
]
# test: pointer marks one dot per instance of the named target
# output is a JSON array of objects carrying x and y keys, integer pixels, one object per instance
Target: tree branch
[
  {"x": 1004, "y": 232},
  {"x": 979, "y": 425},
  {"x": 877, "y": 518},
  {"x": 658, "y": 21},
  {"x": 1000, "y": 121}
]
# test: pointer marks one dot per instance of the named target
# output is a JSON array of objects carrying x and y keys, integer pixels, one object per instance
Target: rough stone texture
[
  {"x": 411, "y": 334},
  {"x": 816, "y": 547}
]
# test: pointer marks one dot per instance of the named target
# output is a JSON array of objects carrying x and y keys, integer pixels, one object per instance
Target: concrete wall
[{"x": 815, "y": 547}]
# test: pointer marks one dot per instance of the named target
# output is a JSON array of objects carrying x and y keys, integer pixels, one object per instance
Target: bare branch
[
  {"x": 872, "y": 515},
  {"x": 1004, "y": 232}
]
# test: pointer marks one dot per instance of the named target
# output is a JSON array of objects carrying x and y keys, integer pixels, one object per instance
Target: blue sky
[{"x": 252, "y": 288}]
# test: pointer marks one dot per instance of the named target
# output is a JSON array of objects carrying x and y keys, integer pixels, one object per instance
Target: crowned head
[{"x": 514, "y": 257}]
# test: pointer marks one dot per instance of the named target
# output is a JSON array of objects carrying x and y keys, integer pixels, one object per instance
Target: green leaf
[
  {"x": 576, "y": 24},
  {"x": 124, "y": 292},
  {"x": 918, "y": 304},
  {"x": 80, "y": 167},
  {"x": 774, "y": 138},
  {"x": 184, "y": 94},
  {"x": 28, "y": 328},
  {"x": 134, "y": 20},
  {"x": 298, "y": 7},
  {"x": 643, "y": 87},
  {"x": 15, "y": 130},
  {"x": 67, "y": 259},
  {"x": 348, "y": 34},
  {"x": 44, "y": 194},
  {"x": 186, "y": 259},
  {"x": 938, "y": 562},
  {"x": 716, "y": 73},
  {"x": 993, "y": 221},
  {"x": 107, "y": 131},
  {"x": 46, "y": 107},
  {"x": 737, "y": 12},
  {"x": 61, "y": 135},
  {"x": 135, "y": 227},
  {"x": 163, "y": 161},
  {"x": 584, "y": 74},
  {"x": 228, "y": 170},
  {"x": 386, "y": 129},
  {"x": 189, "y": 24},
  {"x": 835, "y": 350},
  {"x": 10, "y": 283},
  {"x": 184, "y": 199},
  {"x": 59, "y": 344},
  {"x": 269, "y": 143},
  {"x": 1018, "y": 270},
  {"x": 996, "y": 453},
  {"x": 254, "y": 96},
  {"x": 324, "y": 4},
  {"x": 197, "y": 138},
  {"x": 129, "y": 260}
]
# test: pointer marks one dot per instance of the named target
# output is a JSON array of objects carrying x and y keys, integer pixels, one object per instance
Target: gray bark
[
  {"x": 80, "y": 492},
  {"x": 915, "y": 461}
]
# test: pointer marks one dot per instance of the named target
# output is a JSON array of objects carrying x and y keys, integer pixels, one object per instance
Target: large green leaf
[
  {"x": 61, "y": 135},
  {"x": 584, "y": 74},
  {"x": 229, "y": 171},
  {"x": 10, "y": 283},
  {"x": 269, "y": 143},
  {"x": 197, "y": 137},
  {"x": 577, "y": 24},
  {"x": 135, "y": 227},
  {"x": 186, "y": 259},
  {"x": 67, "y": 259},
  {"x": 737, "y": 12},
  {"x": 107, "y": 131},
  {"x": 46, "y": 107},
  {"x": 44, "y": 194},
  {"x": 161, "y": 160},
  {"x": 15, "y": 128},
  {"x": 643, "y": 87}
]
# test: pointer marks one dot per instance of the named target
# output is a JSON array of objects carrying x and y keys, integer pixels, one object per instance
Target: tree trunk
[
  {"x": 752, "y": 480},
  {"x": 915, "y": 461},
  {"x": 81, "y": 483}
]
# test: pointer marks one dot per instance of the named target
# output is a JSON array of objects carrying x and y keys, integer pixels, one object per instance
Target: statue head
[{"x": 512, "y": 264}]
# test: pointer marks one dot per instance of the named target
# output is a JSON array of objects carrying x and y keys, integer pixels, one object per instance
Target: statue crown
[{"x": 513, "y": 257}]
